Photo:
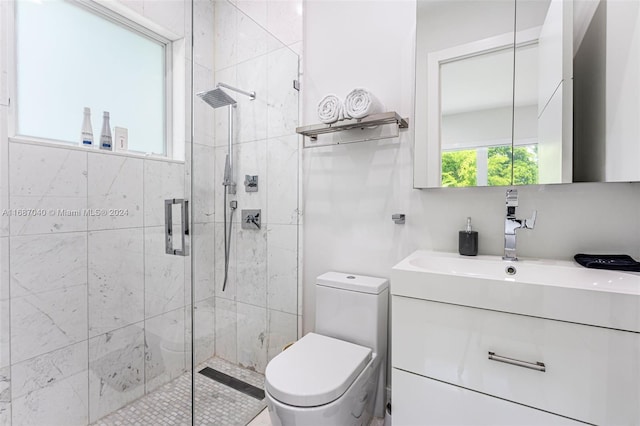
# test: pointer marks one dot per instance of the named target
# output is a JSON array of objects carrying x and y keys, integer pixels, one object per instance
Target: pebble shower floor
[{"x": 215, "y": 403}]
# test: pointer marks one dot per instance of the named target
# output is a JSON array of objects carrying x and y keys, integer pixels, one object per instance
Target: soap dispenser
[{"x": 468, "y": 241}]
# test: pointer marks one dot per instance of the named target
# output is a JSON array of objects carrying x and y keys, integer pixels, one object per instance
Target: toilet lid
[{"x": 315, "y": 370}]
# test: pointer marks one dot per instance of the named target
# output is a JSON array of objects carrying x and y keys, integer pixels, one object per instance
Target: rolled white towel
[
  {"x": 360, "y": 102},
  {"x": 330, "y": 109}
]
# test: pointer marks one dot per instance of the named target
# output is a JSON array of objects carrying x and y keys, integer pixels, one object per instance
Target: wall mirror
[{"x": 527, "y": 92}]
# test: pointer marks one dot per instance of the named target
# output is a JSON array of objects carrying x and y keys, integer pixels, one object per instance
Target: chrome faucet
[{"x": 511, "y": 224}]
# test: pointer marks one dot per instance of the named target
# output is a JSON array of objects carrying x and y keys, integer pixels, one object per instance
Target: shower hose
[{"x": 227, "y": 238}]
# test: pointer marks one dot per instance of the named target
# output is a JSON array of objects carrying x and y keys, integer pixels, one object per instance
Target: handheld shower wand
[{"x": 218, "y": 98}]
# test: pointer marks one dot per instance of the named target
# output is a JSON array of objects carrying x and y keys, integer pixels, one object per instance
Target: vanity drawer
[
  {"x": 591, "y": 374},
  {"x": 418, "y": 400}
]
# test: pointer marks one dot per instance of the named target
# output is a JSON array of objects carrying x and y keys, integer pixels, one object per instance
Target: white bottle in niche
[
  {"x": 106, "y": 142},
  {"x": 87, "y": 130}
]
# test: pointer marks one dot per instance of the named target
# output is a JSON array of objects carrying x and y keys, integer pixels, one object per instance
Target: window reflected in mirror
[{"x": 477, "y": 107}]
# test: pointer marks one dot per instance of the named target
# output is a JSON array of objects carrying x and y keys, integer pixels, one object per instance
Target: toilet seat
[{"x": 316, "y": 370}]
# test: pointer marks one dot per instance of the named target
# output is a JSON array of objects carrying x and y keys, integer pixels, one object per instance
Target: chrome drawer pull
[{"x": 539, "y": 366}]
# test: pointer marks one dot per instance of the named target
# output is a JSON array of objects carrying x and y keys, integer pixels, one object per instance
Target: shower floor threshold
[{"x": 215, "y": 403}]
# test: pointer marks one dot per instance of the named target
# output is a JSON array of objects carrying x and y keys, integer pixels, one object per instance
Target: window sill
[{"x": 50, "y": 143}]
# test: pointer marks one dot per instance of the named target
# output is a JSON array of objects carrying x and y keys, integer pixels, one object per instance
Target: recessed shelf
[{"x": 365, "y": 124}]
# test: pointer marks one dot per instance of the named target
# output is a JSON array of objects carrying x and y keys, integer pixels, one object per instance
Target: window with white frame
[{"x": 72, "y": 54}]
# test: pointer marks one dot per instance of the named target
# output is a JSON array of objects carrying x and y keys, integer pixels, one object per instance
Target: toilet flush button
[{"x": 351, "y": 277}]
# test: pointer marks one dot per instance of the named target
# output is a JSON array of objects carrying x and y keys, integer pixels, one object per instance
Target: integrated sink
[{"x": 561, "y": 290}]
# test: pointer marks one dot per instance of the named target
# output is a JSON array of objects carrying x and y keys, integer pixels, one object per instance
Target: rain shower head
[{"x": 216, "y": 98}]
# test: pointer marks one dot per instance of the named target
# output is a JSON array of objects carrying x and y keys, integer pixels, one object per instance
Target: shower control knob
[{"x": 251, "y": 219}]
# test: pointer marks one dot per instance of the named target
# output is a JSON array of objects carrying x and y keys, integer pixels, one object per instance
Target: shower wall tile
[
  {"x": 162, "y": 180},
  {"x": 164, "y": 275},
  {"x": 226, "y": 338},
  {"x": 229, "y": 76},
  {"x": 298, "y": 49},
  {"x": 252, "y": 160},
  {"x": 226, "y": 34},
  {"x": 203, "y": 52},
  {"x": 252, "y": 113},
  {"x": 204, "y": 178},
  {"x": 115, "y": 182},
  {"x": 47, "y": 321},
  {"x": 4, "y": 166},
  {"x": 282, "y": 114},
  {"x": 283, "y": 329},
  {"x": 5, "y": 333},
  {"x": 282, "y": 266},
  {"x": 4, "y": 53},
  {"x": 252, "y": 337},
  {"x": 41, "y": 263},
  {"x": 167, "y": 13},
  {"x": 256, "y": 9},
  {"x": 284, "y": 20},
  {"x": 188, "y": 327},
  {"x": 204, "y": 319},
  {"x": 251, "y": 273},
  {"x": 203, "y": 114},
  {"x": 116, "y": 370},
  {"x": 230, "y": 289},
  {"x": 188, "y": 28},
  {"x": 188, "y": 274},
  {"x": 165, "y": 357},
  {"x": 47, "y": 179},
  {"x": 116, "y": 279},
  {"x": 252, "y": 39},
  {"x": 4, "y": 268},
  {"x": 203, "y": 253},
  {"x": 282, "y": 175},
  {"x": 52, "y": 389},
  {"x": 188, "y": 107},
  {"x": 5, "y": 396}
]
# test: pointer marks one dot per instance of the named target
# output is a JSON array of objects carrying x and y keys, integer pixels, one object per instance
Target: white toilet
[{"x": 335, "y": 376}]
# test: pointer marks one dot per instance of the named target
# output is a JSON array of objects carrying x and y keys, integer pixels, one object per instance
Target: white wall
[{"x": 351, "y": 191}]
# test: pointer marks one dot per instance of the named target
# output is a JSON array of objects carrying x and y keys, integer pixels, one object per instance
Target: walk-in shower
[
  {"x": 99, "y": 324},
  {"x": 218, "y": 98}
]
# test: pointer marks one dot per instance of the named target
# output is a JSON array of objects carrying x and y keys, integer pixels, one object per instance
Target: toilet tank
[{"x": 353, "y": 308}]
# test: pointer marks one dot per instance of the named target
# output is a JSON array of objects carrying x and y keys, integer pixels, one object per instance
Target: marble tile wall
[
  {"x": 257, "y": 314},
  {"x": 102, "y": 284},
  {"x": 93, "y": 312}
]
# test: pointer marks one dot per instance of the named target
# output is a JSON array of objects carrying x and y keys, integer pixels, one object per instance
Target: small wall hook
[{"x": 398, "y": 218}]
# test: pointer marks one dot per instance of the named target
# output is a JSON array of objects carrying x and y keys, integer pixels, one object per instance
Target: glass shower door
[
  {"x": 240, "y": 326},
  {"x": 95, "y": 315}
]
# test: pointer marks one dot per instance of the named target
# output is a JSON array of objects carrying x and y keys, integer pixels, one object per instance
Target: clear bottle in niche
[
  {"x": 106, "y": 141},
  {"x": 468, "y": 241},
  {"x": 87, "y": 130}
]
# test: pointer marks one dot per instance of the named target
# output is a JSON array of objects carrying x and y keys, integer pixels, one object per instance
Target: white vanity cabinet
[{"x": 459, "y": 364}]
